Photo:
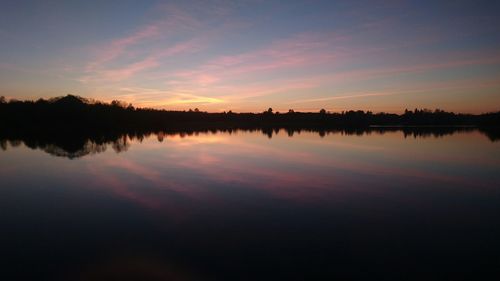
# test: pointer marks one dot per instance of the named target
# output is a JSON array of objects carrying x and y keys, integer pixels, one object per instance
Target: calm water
[{"x": 243, "y": 206}]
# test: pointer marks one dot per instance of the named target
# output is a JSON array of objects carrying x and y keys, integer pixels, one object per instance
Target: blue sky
[{"x": 251, "y": 55}]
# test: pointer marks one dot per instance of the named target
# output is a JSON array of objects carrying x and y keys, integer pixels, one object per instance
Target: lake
[{"x": 252, "y": 205}]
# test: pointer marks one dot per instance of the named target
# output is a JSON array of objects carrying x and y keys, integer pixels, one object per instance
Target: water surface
[{"x": 243, "y": 205}]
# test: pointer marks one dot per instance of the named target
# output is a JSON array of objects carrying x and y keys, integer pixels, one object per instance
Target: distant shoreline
[
  {"x": 72, "y": 127},
  {"x": 71, "y": 113}
]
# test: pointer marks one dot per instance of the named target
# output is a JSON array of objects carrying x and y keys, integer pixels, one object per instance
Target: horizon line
[{"x": 7, "y": 99}]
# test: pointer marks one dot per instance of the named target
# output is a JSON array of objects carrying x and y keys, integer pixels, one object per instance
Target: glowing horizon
[{"x": 251, "y": 55}]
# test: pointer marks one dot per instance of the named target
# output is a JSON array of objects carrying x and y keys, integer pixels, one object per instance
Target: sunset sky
[{"x": 251, "y": 55}]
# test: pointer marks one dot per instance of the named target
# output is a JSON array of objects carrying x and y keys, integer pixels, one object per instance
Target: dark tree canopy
[{"x": 76, "y": 113}]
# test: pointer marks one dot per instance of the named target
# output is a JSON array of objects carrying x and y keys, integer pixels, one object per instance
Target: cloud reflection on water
[{"x": 182, "y": 175}]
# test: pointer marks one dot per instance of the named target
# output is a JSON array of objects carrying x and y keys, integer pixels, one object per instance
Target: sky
[{"x": 247, "y": 56}]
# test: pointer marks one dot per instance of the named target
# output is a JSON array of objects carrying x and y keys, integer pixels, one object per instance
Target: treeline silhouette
[
  {"x": 71, "y": 113},
  {"x": 73, "y": 126}
]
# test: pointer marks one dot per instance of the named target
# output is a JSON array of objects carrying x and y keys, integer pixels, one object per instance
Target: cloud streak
[
  {"x": 223, "y": 56},
  {"x": 118, "y": 46}
]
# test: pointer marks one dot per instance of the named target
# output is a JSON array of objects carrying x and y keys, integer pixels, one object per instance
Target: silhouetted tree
[
  {"x": 160, "y": 136},
  {"x": 121, "y": 144},
  {"x": 117, "y": 103},
  {"x": 73, "y": 113}
]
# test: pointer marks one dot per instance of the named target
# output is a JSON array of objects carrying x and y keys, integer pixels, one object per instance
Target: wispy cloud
[
  {"x": 302, "y": 50},
  {"x": 151, "y": 60},
  {"x": 408, "y": 89},
  {"x": 184, "y": 57},
  {"x": 164, "y": 98},
  {"x": 118, "y": 46},
  {"x": 125, "y": 56},
  {"x": 127, "y": 71}
]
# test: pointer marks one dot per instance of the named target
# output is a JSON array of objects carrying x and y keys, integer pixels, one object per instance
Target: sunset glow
[{"x": 250, "y": 55}]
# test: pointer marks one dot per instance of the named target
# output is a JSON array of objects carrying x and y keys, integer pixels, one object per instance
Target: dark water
[{"x": 243, "y": 206}]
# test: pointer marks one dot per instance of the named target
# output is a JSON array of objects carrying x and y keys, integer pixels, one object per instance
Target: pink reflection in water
[{"x": 179, "y": 172}]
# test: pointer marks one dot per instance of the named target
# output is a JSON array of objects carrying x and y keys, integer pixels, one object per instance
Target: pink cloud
[
  {"x": 118, "y": 46},
  {"x": 306, "y": 50},
  {"x": 306, "y": 61},
  {"x": 173, "y": 21},
  {"x": 150, "y": 61},
  {"x": 409, "y": 89},
  {"x": 299, "y": 51},
  {"x": 303, "y": 51},
  {"x": 447, "y": 63},
  {"x": 129, "y": 70}
]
